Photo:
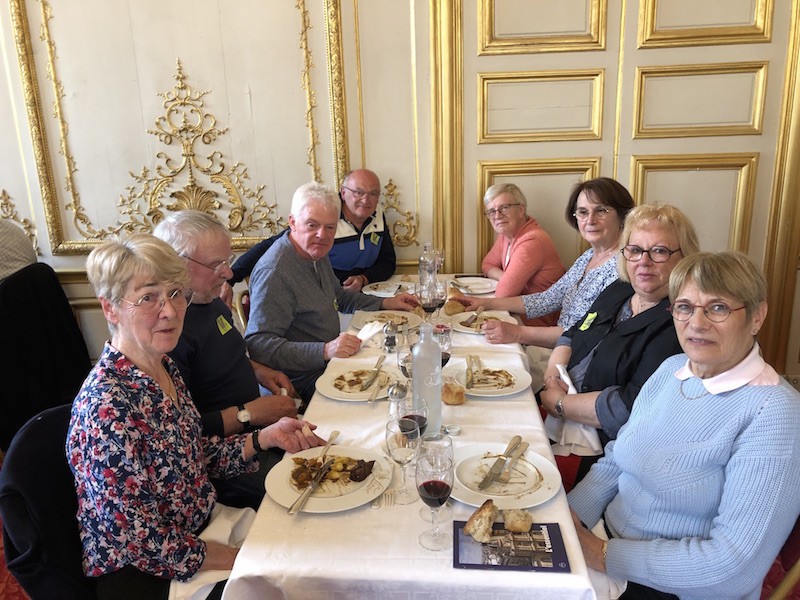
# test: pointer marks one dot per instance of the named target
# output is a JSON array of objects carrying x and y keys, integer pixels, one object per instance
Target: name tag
[
  {"x": 587, "y": 322},
  {"x": 223, "y": 325},
  {"x": 336, "y": 304},
  {"x": 374, "y": 238}
]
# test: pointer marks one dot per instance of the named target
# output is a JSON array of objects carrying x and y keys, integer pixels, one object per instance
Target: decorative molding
[
  {"x": 9, "y": 211},
  {"x": 745, "y": 163},
  {"x": 594, "y": 132},
  {"x": 447, "y": 60},
  {"x": 760, "y": 31},
  {"x": 311, "y": 99},
  {"x": 489, "y": 170},
  {"x": 336, "y": 86},
  {"x": 406, "y": 229},
  {"x": 491, "y": 43},
  {"x": 755, "y": 102}
]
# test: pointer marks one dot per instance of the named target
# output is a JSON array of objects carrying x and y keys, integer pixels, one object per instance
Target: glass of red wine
[
  {"x": 426, "y": 294},
  {"x": 442, "y": 333},
  {"x": 440, "y": 444},
  {"x": 415, "y": 409},
  {"x": 434, "y": 477},
  {"x": 402, "y": 443}
]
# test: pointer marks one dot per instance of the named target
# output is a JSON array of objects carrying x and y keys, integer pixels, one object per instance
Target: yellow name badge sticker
[
  {"x": 336, "y": 304},
  {"x": 374, "y": 238},
  {"x": 587, "y": 322},
  {"x": 223, "y": 325}
]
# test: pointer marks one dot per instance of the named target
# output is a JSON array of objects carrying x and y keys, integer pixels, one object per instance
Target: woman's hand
[
  {"x": 219, "y": 557},
  {"x": 292, "y": 435},
  {"x": 500, "y": 332},
  {"x": 553, "y": 390},
  {"x": 593, "y": 547}
]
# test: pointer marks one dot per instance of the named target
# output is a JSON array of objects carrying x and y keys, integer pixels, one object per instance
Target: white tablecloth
[{"x": 369, "y": 552}]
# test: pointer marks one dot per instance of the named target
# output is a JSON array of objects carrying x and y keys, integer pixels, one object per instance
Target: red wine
[
  {"x": 430, "y": 308},
  {"x": 445, "y": 358},
  {"x": 434, "y": 493},
  {"x": 421, "y": 421}
]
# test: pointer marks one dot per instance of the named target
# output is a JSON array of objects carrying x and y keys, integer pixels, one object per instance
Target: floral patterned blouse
[
  {"x": 141, "y": 469},
  {"x": 574, "y": 293}
]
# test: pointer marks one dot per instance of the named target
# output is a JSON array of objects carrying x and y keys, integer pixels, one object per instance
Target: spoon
[{"x": 397, "y": 391}]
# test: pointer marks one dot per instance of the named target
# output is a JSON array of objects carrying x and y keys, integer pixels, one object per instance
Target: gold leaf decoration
[
  {"x": 9, "y": 211},
  {"x": 404, "y": 230}
]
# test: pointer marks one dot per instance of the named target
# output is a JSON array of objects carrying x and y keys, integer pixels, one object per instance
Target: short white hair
[
  {"x": 314, "y": 192},
  {"x": 184, "y": 230}
]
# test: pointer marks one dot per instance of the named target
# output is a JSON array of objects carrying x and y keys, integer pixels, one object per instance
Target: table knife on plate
[
  {"x": 300, "y": 502},
  {"x": 471, "y": 320},
  {"x": 470, "y": 378},
  {"x": 369, "y": 381},
  {"x": 498, "y": 465}
]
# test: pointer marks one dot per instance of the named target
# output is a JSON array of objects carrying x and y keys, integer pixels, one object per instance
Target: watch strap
[{"x": 256, "y": 443}]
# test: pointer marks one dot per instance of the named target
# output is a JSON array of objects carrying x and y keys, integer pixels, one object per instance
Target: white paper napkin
[
  {"x": 228, "y": 526},
  {"x": 571, "y": 437},
  {"x": 605, "y": 586},
  {"x": 370, "y": 329}
]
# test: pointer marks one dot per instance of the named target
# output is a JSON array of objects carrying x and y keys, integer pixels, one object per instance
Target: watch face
[{"x": 243, "y": 416}]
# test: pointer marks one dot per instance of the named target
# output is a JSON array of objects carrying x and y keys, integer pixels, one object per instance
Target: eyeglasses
[
  {"x": 153, "y": 303},
  {"x": 502, "y": 210},
  {"x": 658, "y": 254},
  {"x": 714, "y": 311},
  {"x": 600, "y": 213},
  {"x": 373, "y": 195},
  {"x": 216, "y": 267}
]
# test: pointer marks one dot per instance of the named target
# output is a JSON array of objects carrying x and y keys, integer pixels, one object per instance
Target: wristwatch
[
  {"x": 256, "y": 443},
  {"x": 560, "y": 407},
  {"x": 243, "y": 416}
]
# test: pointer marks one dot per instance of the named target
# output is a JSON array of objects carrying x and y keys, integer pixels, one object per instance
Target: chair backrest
[
  {"x": 44, "y": 354},
  {"x": 242, "y": 306},
  {"x": 38, "y": 505}
]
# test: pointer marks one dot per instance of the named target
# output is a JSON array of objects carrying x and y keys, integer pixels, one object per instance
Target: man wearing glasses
[
  {"x": 362, "y": 251},
  {"x": 212, "y": 356}
]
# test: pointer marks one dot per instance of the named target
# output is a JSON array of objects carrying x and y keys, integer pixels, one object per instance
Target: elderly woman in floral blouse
[{"x": 135, "y": 442}]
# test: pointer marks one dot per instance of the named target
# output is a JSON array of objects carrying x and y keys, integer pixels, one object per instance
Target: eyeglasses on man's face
[
  {"x": 152, "y": 303},
  {"x": 600, "y": 213},
  {"x": 500, "y": 210},
  {"x": 360, "y": 194},
  {"x": 714, "y": 311},
  {"x": 217, "y": 267},
  {"x": 658, "y": 254}
]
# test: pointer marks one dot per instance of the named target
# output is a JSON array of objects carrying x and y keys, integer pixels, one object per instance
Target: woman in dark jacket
[{"x": 628, "y": 331}]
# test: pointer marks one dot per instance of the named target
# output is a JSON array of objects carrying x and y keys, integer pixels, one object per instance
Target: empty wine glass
[
  {"x": 402, "y": 443},
  {"x": 434, "y": 477},
  {"x": 405, "y": 362},
  {"x": 440, "y": 444}
]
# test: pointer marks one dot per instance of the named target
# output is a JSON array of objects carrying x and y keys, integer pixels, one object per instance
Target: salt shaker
[{"x": 389, "y": 337}]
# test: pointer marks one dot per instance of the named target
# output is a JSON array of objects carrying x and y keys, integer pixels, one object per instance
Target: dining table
[{"x": 369, "y": 549}]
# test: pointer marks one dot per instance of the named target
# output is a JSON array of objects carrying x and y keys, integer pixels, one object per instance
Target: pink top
[{"x": 530, "y": 265}]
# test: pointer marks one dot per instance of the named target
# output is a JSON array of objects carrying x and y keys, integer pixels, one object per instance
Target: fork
[{"x": 385, "y": 499}]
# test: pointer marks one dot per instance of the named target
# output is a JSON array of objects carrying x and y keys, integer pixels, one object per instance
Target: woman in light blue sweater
[{"x": 702, "y": 486}]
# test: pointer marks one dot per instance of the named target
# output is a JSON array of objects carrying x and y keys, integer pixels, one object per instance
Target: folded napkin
[
  {"x": 228, "y": 526},
  {"x": 605, "y": 586},
  {"x": 370, "y": 329},
  {"x": 571, "y": 437}
]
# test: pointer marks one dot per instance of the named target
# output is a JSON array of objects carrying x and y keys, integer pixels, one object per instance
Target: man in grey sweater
[{"x": 296, "y": 297}]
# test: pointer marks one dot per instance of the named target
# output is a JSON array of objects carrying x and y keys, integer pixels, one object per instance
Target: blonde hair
[
  {"x": 505, "y": 188},
  {"x": 112, "y": 264},
  {"x": 184, "y": 230},
  {"x": 729, "y": 274},
  {"x": 665, "y": 216},
  {"x": 314, "y": 192}
]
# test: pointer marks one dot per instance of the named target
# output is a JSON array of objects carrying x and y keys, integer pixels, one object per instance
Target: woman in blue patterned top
[
  {"x": 135, "y": 442},
  {"x": 597, "y": 210}
]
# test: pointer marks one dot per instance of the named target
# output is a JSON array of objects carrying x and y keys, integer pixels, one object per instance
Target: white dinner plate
[
  {"x": 330, "y": 496},
  {"x": 324, "y": 385},
  {"x": 477, "y": 285},
  {"x": 522, "y": 380},
  {"x": 457, "y": 319},
  {"x": 363, "y": 317},
  {"x": 386, "y": 289},
  {"x": 534, "y": 479}
]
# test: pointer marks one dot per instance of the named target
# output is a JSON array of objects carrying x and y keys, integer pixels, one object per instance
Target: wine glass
[
  {"x": 442, "y": 333},
  {"x": 402, "y": 443},
  {"x": 440, "y": 296},
  {"x": 440, "y": 444},
  {"x": 434, "y": 477},
  {"x": 426, "y": 296},
  {"x": 415, "y": 409},
  {"x": 405, "y": 361}
]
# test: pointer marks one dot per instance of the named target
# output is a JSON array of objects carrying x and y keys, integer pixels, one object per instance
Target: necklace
[
  {"x": 643, "y": 305},
  {"x": 705, "y": 392}
]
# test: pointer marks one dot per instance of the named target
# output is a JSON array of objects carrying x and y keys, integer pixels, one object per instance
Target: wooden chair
[
  {"x": 789, "y": 555},
  {"x": 242, "y": 306}
]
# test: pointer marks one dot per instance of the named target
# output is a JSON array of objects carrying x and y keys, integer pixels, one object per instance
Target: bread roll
[
  {"x": 453, "y": 394},
  {"x": 479, "y": 525},
  {"x": 454, "y": 292},
  {"x": 517, "y": 521},
  {"x": 418, "y": 310},
  {"x": 453, "y": 307}
]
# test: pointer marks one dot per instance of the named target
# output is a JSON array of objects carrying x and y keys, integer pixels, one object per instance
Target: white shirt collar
[{"x": 753, "y": 370}]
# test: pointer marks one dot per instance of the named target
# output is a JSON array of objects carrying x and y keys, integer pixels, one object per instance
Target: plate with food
[
  {"x": 398, "y": 317},
  {"x": 386, "y": 289},
  {"x": 344, "y": 381},
  {"x": 490, "y": 381},
  {"x": 476, "y": 285},
  {"x": 356, "y": 477},
  {"x": 532, "y": 480},
  {"x": 459, "y": 321}
]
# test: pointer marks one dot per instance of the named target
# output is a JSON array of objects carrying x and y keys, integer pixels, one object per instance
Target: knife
[
  {"x": 300, "y": 502},
  {"x": 498, "y": 465},
  {"x": 471, "y": 320},
  {"x": 369, "y": 381},
  {"x": 505, "y": 476}
]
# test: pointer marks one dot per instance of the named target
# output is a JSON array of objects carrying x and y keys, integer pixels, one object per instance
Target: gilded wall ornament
[
  {"x": 9, "y": 211},
  {"x": 311, "y": 98},
  {"x": 405, "y": 229}
]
